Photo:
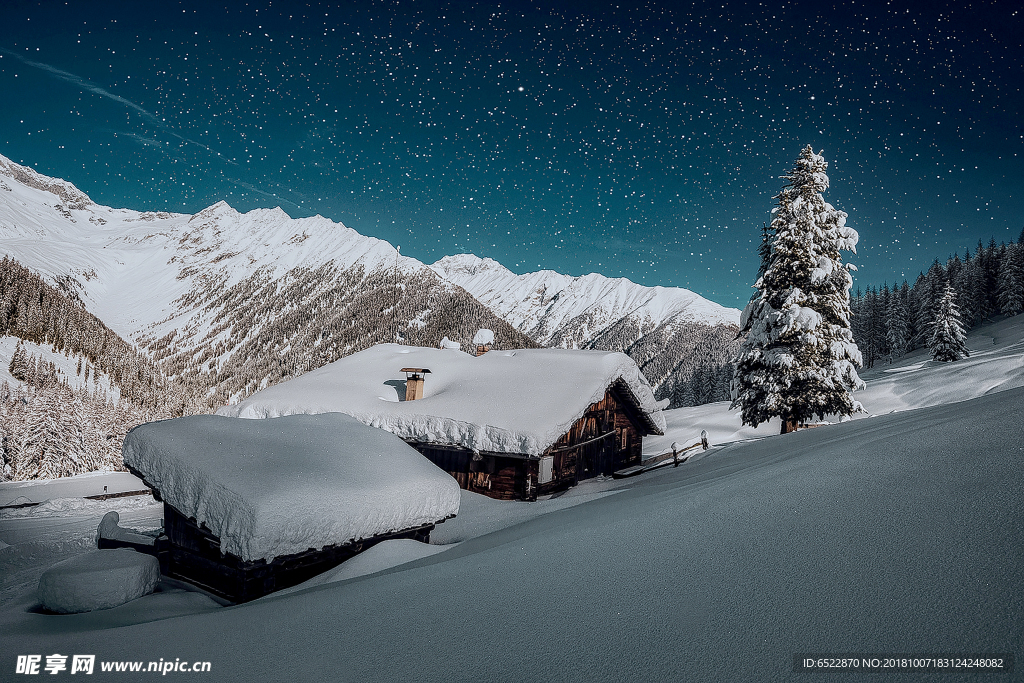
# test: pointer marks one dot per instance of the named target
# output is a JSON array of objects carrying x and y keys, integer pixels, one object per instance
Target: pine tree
[
  {"x": 764, "y": 250},
  {"x": 988, "y": 266},
  {"x": 799, "y": 358},
  {"x": 966, "y": 286},
  {"x": 947, "y": 341},
  {"x": 1011, "y": 280},
  {"x": 19, "y": 362},
  {"x": 897, "y": 320},
  {"x": 929, "y": 290}
]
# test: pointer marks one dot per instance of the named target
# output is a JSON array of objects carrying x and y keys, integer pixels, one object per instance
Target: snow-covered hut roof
[
  {"x": 284, "y": 486},
  {"x": 519, "y": 401}
]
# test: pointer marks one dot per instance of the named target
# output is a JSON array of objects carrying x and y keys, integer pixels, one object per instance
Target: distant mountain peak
[
  {"x": 62, "y": 189},
  {"x": 468, "y": 264}
]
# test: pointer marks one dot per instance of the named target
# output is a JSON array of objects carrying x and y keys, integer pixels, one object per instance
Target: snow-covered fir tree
[
  {"x": 947, "y": 341},
  {"x": 897, "y": 319},
  {"x": 764, "y": 250},
  {"x": 1011, "y": 280},
  {"x": 799, "y": 359}
]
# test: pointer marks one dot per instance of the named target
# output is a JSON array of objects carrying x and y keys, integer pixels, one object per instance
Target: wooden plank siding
[
  {"x": 498, "y": 475},
  {"x": 606, "y": 438},
  {"x": 190, "y": 552}
]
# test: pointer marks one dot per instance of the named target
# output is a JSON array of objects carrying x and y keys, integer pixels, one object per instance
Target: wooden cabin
[
  {"x": 254, "y": 506},
  {"x": 510, "y": 424},
  {"x": 608, "y": 437}
]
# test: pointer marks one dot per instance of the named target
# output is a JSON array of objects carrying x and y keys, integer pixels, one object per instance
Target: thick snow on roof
[
  {"x": 283, "y": 486},
  {"x": 506, "y": 401}
]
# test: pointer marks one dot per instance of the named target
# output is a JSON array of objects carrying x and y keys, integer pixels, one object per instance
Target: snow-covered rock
[
  {"x": 99, "y": 579},
  {"x": 278, "y": 487},
  {"x": 504, "y": 401}
]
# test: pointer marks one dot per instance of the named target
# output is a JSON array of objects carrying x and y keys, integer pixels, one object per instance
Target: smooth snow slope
[
  {"x": 896, "y": 534},
  {"x": 546, "y": 303},
  {"x": 996, "y": 363}
]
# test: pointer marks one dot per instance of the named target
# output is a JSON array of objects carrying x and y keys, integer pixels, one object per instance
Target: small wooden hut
[{"x": 254, "y": 506}]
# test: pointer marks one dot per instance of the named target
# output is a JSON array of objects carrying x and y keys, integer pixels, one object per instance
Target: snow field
[
  {"x": 871, "y": 536},
  {"x": 79, "y": 487}
]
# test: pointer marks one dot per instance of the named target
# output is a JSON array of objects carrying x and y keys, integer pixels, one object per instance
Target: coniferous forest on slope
[{"x": 889, "y": 322}]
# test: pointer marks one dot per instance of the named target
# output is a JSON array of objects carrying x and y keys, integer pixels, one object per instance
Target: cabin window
[{"x": 544, "y": 475}]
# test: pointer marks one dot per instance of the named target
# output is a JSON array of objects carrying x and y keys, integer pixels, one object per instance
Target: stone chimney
[
  {"x": 483, "y": 341},
  {"x": 414, "y": 382}
]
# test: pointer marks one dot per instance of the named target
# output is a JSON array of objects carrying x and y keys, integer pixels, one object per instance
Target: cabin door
[{"x": 596, "y": 458}]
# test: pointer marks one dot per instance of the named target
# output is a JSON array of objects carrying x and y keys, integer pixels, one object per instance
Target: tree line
[
  {"x": 890, "y": 322},
  {"x": 51, "y": 426}
]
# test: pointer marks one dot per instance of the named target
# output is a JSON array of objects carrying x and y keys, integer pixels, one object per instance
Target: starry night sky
[{"x": 636, "y": 141}]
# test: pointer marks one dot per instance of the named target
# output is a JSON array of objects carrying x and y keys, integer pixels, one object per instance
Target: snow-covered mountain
[
  {"x": 680, "y": 340},
  {"x": 235, "y": 300},
  {"x": 571, "y": 312}
]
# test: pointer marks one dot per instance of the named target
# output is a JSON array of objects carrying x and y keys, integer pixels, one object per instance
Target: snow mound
[
  {"x": 99, "y": 579},
  {"x": 112, "y": 531},
  {"x": 284, "y": 486},
  {"x": 514, "y": 402},
  {"x": 483, "y": 337}
]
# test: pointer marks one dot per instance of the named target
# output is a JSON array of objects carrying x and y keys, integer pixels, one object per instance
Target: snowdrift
[{"x": 896, "y": 534}]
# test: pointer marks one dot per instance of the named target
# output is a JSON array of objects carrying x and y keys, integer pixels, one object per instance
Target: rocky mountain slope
[
  {"x": 234, "y": 302},
  {"x": 231, "y": 301},
  {"x": 681, "y": 340}
]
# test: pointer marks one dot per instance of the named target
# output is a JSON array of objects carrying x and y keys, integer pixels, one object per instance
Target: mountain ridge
[
  {"x": 181, "y": 286},
  {"x": 236, "y": 301},
  {"x": 542, "y": 303}
]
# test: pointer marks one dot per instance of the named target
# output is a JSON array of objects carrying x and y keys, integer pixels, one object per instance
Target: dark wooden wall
[
  {"x": 608, "y": 437},
  {"x": 190, "y": 552},
  {"x": 497, "y": 475}
]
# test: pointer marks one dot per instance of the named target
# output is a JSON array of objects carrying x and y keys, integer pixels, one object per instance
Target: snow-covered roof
[
  {"x": 283, "y": 486},
  {"x": 519, "y": 401}
]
